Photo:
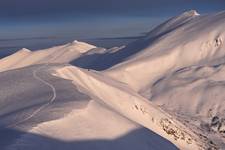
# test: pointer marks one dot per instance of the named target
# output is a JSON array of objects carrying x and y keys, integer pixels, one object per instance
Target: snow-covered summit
[
  {"x": 175, "y": 44},
  {"x": 58, "y": 54},
  {"x": 171, "y": 82},
  {"x": 82, "y": 46},
  {"x": 172, "y": 24},
  {"x": 191, "y": 13},
  {"x": 25, "y": 50}
]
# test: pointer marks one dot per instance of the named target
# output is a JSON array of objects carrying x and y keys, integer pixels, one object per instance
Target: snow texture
[{"x": 163, "y": 91}]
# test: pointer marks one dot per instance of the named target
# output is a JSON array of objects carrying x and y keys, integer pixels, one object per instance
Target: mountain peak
[
  {"x": 25, "y": 50},
  {"x": 191, "y": 13},
  {"x": 76, "y": 42}
]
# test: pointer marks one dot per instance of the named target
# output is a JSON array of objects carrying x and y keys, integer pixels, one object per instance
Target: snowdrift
[{"x": 166, "y": 86}]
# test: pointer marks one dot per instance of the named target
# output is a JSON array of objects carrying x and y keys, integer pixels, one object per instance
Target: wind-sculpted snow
[
  {"x": 95, "y": 127},
  {"x": 198, "y": 41},
  {"x": 202, "y": 88},
  {"x": 38, "y": 110},
  {"x": 163, "y": 91},
  {"x": 128, "y": 103}
]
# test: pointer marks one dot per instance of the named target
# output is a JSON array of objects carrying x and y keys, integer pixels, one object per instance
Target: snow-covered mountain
[
  {"x": 163, "y": 91},
  {"x": 60, "y": 54},
  {"x": 183, "y": 41}
]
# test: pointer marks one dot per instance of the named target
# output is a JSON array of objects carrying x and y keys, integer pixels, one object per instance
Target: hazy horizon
[{"x": 41, "y": 24}]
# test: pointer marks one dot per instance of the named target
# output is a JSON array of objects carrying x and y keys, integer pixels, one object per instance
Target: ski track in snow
[
  {"x": 35, "y": 75},
  {"x": 53, "y": 97}
]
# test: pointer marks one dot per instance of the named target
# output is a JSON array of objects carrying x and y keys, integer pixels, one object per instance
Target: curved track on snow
[{"x": 51, "y": 100}]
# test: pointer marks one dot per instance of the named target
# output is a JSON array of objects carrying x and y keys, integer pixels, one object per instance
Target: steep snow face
[
  {"x": 199, "y": 87},
  {"x": 120, "y": 98},
  {"x": 41, "y": 111},
  {"x": 183, "y": 41},
  {"x": 118, "y": 55},
  {"x": 195, "y": 95},
  {"x": 181, "y": 69},
  {"x": 172, "y": 24},
  {"x": 59, "y": 54}
]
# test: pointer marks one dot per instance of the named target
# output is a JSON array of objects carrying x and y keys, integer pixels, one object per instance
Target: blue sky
[
  {"x": 83, "y": 17},
  {"x": 22, "y": 8},
  {"x": 87, "y": 27},
  {"x": 24, "y": 23}
]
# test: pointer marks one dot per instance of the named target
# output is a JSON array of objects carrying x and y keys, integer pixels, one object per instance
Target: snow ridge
[{"x": 171, "y": 82}]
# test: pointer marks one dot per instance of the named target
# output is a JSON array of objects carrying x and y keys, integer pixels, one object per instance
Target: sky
[
  {"x": 33, "y": 23},
  {"x": 30, "y": 8}
]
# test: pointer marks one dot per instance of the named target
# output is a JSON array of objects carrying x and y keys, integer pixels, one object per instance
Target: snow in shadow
[
  {"x": 140, "y": 139},
  {"x": 102, "y": 61}
]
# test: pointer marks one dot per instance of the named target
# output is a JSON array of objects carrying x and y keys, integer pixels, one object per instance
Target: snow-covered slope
[
  {"x": 59, "y": 54},
  {"x": 151, "y": 65},
  {"x": 195, "y": 95},
  {"x": 172, "y": 24},
  {"x": 26, "y": 92},
  {"x": 122, "y": 99},
  {"x": 180, "y": 68},
  {"x": 166, "y": 86},
  {"x": 42, "y": 111},
  {"x": 94, "y": 127},
  {"x": 186, "y": 40}
]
